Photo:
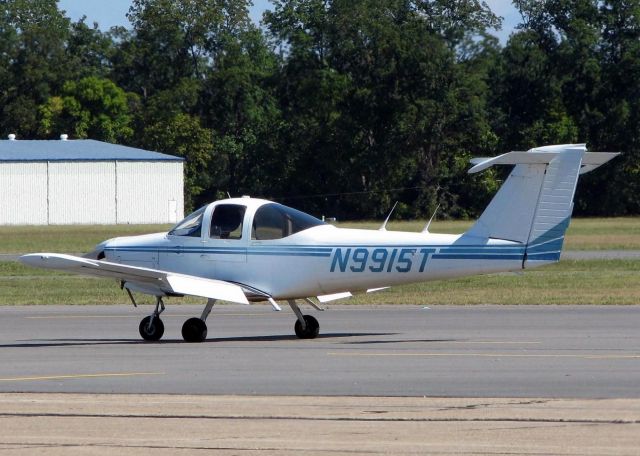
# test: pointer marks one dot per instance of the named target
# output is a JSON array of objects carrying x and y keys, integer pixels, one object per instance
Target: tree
[
  {"x": 91, "y": 108},
  {"x": 374, "y": 98},
  {"x": 89, "y": 50},
  {"x": 32, "y": 57},
  {"x": 570, "y": 76},
  {"x": 183, "y": 135},
  {"x": 239, "y": 104},
  {"x": 177, "y": 39},
  {"x": 616, "y": 190}
]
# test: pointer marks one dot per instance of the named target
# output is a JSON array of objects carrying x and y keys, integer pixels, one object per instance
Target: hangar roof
[{"x": 75, "y": 150}]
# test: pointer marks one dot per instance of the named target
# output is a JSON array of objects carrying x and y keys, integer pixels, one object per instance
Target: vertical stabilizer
[
  {"x": 510, "y": 213},
  {"x": 534, "y": 205}
]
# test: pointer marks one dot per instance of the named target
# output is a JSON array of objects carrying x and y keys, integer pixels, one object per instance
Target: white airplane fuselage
[{"x": 320, "y": 260}]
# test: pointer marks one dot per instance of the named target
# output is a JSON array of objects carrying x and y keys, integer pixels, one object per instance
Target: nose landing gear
[{"x": 151, "y": 328}]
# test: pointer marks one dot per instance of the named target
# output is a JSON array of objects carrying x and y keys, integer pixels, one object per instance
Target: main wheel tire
[
  {"x": 194, "y": 330},
  {"x": 311, "y": 331},
  {"x": 153, "y": 331}
]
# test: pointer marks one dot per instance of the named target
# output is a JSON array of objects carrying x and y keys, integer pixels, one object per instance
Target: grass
[
  {"x": 568, "y": 282},
  {"x": 617, "y": 233},
  {"x": 65, "y": 239},
  {"x": 584, "y": 234},
  {"x": 596, "y": 282},
  {"x": 23, "y": 285}
]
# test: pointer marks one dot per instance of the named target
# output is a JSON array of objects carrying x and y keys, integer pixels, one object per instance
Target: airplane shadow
[
  {"x": 396, "y": 341},
  {"x": 67, "y": 342},
  {"x": 290, "y": 337}
]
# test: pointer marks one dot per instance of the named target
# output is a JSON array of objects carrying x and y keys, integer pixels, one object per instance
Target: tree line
[{"x": 337, "y": 107}]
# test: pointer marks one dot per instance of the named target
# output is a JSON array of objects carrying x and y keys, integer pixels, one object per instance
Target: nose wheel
[{"x": 151, "y": 328}]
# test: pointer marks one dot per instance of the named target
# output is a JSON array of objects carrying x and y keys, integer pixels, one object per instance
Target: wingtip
[{"x": 33, "y": 259}]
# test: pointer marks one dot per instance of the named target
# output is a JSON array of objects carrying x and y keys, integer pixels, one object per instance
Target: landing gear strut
[
  {"x": 195, "y": 329},
  {"x": 306, "y": 327},
  {"x": 151, "y": 327}
]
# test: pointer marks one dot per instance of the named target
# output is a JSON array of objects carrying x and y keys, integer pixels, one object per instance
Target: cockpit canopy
[{"x": 270, "y": 221}]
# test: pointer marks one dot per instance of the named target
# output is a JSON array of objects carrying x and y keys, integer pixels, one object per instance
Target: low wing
[{"x": 151, "y": 281}]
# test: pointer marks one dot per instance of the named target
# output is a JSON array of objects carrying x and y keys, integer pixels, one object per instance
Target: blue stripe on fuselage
[{"x": 449, "y": 251}]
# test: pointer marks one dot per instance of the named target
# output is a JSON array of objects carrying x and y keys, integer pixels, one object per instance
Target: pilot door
[{"x": 224, "y": 242}]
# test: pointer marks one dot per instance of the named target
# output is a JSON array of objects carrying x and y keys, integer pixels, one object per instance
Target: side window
[
  {"x": 190, "y": 226},
  {"x": 269, "y": 223},
  {"x": 275, "y": 221},
  {"x": 226, "y": 221}
]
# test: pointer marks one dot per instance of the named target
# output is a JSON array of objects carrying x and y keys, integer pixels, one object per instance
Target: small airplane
[{"x": 247, "y": 250}]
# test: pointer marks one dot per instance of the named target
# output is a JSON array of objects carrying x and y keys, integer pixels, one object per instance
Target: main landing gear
[
  {"x": 195, "y": 329},
  {"x": 306, "y": 327}
]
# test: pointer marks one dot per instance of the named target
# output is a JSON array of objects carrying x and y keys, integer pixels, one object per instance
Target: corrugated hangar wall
[
  {"x": 91, "y": 192},
  {"x": 163, "y": 180},
  {"x": 21, "y": 194}
]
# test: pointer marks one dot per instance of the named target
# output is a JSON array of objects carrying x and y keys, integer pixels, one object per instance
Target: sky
[{"x": 108, "y": 13}]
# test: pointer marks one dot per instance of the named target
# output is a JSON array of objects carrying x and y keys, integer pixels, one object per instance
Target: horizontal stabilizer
[
  {"x": 590, "y": 160},
  {"x": 512, "y": 158}
]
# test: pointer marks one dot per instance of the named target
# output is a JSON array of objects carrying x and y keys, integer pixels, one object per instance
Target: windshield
[{"x": 191, "y": 225}]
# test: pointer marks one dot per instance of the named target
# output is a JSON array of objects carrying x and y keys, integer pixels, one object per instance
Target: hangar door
[{"x": 82, "y": 193}]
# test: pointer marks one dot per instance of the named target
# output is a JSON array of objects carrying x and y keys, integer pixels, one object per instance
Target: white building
[{"x": 87, "y": 182}]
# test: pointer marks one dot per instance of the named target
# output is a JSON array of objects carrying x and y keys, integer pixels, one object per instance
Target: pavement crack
[
  {"x": 41, "y": 445},
  {"x": 493, "y": 405},
  {"x": 316, "y": 418}
]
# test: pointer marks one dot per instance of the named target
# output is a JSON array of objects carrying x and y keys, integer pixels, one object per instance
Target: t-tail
[{"x": 534, "y": 205}]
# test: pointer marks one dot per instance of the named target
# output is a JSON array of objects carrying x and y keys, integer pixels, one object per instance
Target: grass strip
[
  {"x": 617, "y": 233},
  {"x": 583, "y": 234},
  {"x": 592, "y": 282}
]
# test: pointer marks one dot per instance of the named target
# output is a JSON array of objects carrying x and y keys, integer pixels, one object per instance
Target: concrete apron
[{"x": 64, "y": 424}]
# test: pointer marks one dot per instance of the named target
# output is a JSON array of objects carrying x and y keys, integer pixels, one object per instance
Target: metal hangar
[{"x": 64, "y": 182}]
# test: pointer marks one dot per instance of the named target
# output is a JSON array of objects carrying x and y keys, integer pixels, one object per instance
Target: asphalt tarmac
[{"x": 464, "y": 352}]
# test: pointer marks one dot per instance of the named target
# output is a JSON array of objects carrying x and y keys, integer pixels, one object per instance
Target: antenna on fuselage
[
  {"x": 228, "y": 195},
  {"x": 426, "y": 228},
  {"x": 384, "y": 225}
]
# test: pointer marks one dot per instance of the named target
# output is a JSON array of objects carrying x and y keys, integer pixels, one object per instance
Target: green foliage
[
  {"x": 182, "y": 135},
  {"x": 374, "y": 86},
  {"x": 91, "y": 108},
  {"x": 338, "y": 107},
  {"x": 32, "y": 57}
]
